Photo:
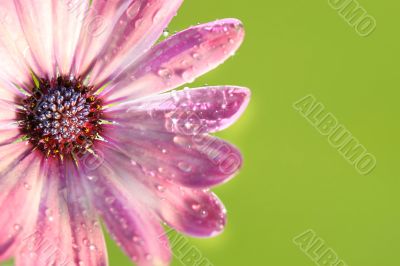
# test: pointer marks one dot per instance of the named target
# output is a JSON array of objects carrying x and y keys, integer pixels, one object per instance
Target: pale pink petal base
[
  {"x": 69, "y": 18},
  {"x": 36, "y": 20},
  {"x": 20, "y": 184},
  {"x": 15, "y": 53},
  {"x": 67, "y": 231},
  {"x": 9, "y": 129}
]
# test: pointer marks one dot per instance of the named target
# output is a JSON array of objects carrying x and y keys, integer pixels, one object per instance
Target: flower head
[{"x": 89, "y": 131}]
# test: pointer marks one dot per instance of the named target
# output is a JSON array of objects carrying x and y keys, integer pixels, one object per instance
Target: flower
[{"x": 88, "y": 129}]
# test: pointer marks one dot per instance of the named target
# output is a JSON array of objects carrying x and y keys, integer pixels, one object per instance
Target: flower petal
[
  {"x": 177, "y": 60},
  {"x": 9, "y": 129},
  {"x": 20, "y": 185},
  {"x": 36, "y": 20},
  {"x": 187, "y": 112},
  {"x": 198, "y": 161},
  {"x": 68, "y": 18},
  {"x": 191, "y": 211},
  {"x": 86, "y": 228},
  {"x": 98, "y": 22},
  {"x": 196, "y": 213},
  {"x": 15, "y": 54},
  {"x": 8, "y": 135},
  {"x": 9, "y": 91},
  {"x": 67, "y": 231},
  {"x": 137, "y": 30},
  {"x": 134, "y": 226},
  {"x": 119, "y": 31}
]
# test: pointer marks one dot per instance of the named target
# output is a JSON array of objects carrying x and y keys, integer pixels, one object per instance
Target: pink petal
[
  {"x": 10, "y": 156},
  {"x": 20, "y": 185},
  {"x": 194, "y": 212},
  {"x": 36, "y": 20},
  {"x": 9, "y": 129},
  {"x": 98, "y": 22},
  {"x": 8, "y": 113},
  {"x": 119, "y": 31},
  {"x": 86, "y": 227},
  {"x": 134, "y": 226},
  {"x": 187, "y": 112},
  {"x": 177, "y": 60},
  {"x": 9, "y": 91},
  {"x": 137, "y": 30},
  {"x": 68, "y": 21},
  {"x": 67, "y": 231},
  {"x": 47, "y": 243},
  {"x": 8, "y": 135},
  {"x": 15, "y": 54},
  {"x": 198, "y": 161}
]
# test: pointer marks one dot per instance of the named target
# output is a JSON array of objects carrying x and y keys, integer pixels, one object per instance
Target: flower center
[{"x": 61, "y": 117}]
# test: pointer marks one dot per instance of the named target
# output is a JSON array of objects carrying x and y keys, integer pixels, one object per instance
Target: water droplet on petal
[
  {"x": 203, "y": 213},
  {"x": 187, "y": 77},
  {"x": 175, "y": 96},
  {"x": 165, "y": 32},
  {"x": 157, "y": 16},
  {"x": 188, "y": 125},
  {"x": 17, "y": 227},
  {"x": 185, "y": 167},
  {"x": 160, "y": 188},
  {"x": 133, "y": 10},
  {"x": 110, "y": 200},
  {"x": 196, "y": 206},
  {"x": 196, "y": 56},
  {"x": 137, "y": 240},
  {"x": 27, "y": 186},
  {"x": 165, "y": 73},
  {"x": 49, "y": 215},
  {"x": 86, "y": 242}
]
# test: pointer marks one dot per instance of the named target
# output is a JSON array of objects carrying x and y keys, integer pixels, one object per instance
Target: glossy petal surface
[
  {"x": 66, "y": 231},
  {"x": 137, "y": 29},
  {"x": 133, "y": 225},
  {"x": 195, "y": 161},
  {"x": 194, "y": 212},
  {"x": 177, "y": 60},
  {"x": 20, "y": 185},
  {"x": 186, "y": 112}
]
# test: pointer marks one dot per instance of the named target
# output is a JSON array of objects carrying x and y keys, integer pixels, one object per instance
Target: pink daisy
[{"x": 88, "y": 131}]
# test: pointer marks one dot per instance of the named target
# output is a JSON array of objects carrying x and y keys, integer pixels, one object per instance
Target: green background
[{"x": 293, "y": 180}]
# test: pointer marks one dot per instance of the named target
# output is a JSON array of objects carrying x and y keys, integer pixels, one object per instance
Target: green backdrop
[{"x": 293, "y": 179}]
